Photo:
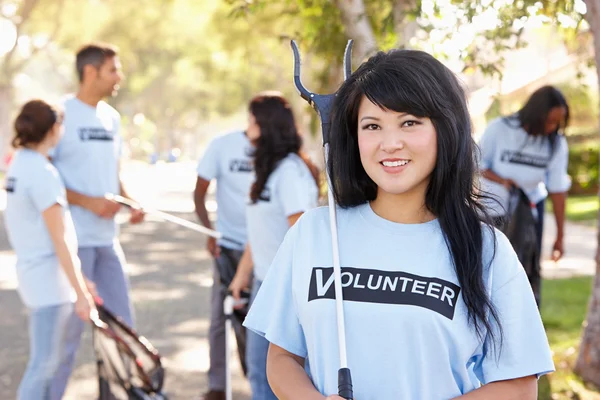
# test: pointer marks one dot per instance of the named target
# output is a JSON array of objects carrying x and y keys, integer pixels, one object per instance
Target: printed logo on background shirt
[
  {"x": 101, "y": 134},
  {"x": 10, "y": 184},
  {"x": 532, "y": 160},
  {"x": 240, "y": 166},
  {"x": 386, "y": 287}
]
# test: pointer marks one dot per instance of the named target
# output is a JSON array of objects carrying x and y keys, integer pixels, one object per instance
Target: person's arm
[
  {"x": 492, "y": 176},
  {"x": 101, "y": 206},
  {"x": 202, "y": 213},
  {"x": 53, "y": 217},
  {"x": 293, "y": 218},
  {"x": 558, "y": 205},
  {"x": 287, "y": 377},
  {"x": 512, "y": 389},
  {"x": 558, "y": 183},
  {"x": 243, "y": 274}
]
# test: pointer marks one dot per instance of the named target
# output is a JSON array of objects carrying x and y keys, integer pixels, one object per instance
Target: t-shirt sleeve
[
  {"x": 523, "y": 349},
  {"x": 295, "y": 190},
  {"x": 558, "y": 181},
  {"x": 273, "y": 313},
  {"x": 208, "y": 167},
  {"x": 487, "y": 146},
  {"x": 47, "y": 190}
]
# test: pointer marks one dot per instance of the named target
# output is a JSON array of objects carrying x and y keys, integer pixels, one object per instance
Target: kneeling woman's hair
[{"x": 414, "y": 82}]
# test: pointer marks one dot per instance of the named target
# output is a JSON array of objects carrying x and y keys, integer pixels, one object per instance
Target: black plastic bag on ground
[{"x": 520, "y": 229}]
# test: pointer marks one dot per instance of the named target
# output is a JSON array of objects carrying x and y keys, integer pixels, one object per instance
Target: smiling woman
[{"x": 429, "y": 287}]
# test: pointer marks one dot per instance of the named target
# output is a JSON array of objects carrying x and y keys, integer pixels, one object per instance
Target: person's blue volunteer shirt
[
  {"x": 33, "y": 185},
  {"x": 407, "y": 333},
  {"x": 290, "y": 189},
  {"x": 508, "y": 151},
  {"x": 87, "y": 158},
  {"x": 228, "y": 160}
]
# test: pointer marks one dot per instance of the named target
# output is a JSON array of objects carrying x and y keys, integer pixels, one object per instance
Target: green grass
[
  {"x": 564, "y": 307},
  {"x": 579, "y": 208}
]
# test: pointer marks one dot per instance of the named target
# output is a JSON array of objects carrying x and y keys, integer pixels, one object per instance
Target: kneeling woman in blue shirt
[
  {"x": 436, "y": 304},
  {"x": 285, "y": 187},
  {"x": 41, "y": 232}
]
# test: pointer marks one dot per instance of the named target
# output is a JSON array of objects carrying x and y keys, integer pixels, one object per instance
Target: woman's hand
[
  {"x": 84, "y": 306},
  {"x": 557, "y": 250},
  {"x": 91, "y": 287},
  {"x": 240, "y": 282}
]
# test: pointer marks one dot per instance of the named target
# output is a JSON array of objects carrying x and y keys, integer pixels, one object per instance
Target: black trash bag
[
  {"x": 520, "y": 229},
  {"x": 226, "y": 265},
  {"x": 129, "y": 367}
]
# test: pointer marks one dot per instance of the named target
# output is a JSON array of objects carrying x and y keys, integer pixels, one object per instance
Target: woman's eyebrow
[
  {"x": 400, "y": 115},
  {"x": 369, "y": 117}
]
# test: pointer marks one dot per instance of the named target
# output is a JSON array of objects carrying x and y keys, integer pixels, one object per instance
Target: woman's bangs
[{"x": 393, "y": 94}]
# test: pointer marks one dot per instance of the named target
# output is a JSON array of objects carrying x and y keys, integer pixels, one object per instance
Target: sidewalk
[{"x": 580, "y": 249}]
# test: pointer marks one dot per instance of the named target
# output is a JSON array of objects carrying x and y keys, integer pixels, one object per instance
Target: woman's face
[
  {"x": 556, "y": 116},
  {"x": 253, "y": 131},
  {"x": 397, "y": 150},
  {"x": 56, "y": 133}
]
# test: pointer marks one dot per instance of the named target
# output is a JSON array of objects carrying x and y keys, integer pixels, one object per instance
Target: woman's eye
[
  {"x": 410, "y": 123},
  {"x": 370, "y": 127}
]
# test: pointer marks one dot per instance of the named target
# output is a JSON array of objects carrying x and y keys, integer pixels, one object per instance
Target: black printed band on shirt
[{"x": 386, "y": 287}]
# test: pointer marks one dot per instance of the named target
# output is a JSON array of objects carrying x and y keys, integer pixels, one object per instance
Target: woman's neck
[
  {"x": 42, "y": 148},
  {"x": 405, "y": 208}
]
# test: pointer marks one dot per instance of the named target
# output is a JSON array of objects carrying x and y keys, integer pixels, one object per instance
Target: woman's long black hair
[
  {"x": 533, "y": 115},
  {"x": 278, "y": 138},
  {"x": 416, "y": 83}
]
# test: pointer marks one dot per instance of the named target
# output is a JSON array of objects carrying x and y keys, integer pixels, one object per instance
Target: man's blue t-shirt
[
  {"x": 87, "y": 158},
  {"x": 407, "y": 333},
  {"x": 228, "y": 160}
]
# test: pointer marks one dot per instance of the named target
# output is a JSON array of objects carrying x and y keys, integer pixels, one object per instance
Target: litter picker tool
[
  {"x": 228, "y": 310},
  {"x": 172, "y": 218},
  {"x": 322, "y": 104}
]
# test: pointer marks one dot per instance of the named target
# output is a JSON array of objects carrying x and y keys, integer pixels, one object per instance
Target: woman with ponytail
[{"x": 41, "y": 232}]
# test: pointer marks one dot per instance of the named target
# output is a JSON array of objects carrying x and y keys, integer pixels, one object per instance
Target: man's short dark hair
[{"x": 93, "y": 54}]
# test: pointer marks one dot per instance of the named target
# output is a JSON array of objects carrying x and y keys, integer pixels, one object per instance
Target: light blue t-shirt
[
  {"x": 290, "y": 189},
  {"x": 228, "y": 160},
  {"x": 407, "y": 333},
  {"x": 33, "y": 185},
  {"x": 87, "y": 158},
  {"x": 508, "y": 151}
]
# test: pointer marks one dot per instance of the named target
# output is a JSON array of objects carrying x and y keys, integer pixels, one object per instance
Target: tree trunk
[
  {"x": 6, "y": 104},
  {"x": 405, "y": 27},
  {"x": 588, "y": 362},
  {"x": 357, "y": 26}
]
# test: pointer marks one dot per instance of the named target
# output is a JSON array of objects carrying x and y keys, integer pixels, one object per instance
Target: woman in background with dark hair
[
  {"x": 528, "y": 150},
  {"x": 285, "y": 187},
  {"x": 433, "y": 296},
  {"x": 41, "y": 232}
]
